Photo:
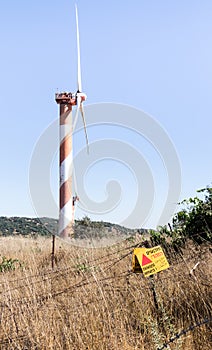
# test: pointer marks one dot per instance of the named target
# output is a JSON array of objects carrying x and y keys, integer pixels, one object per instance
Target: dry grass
[{"x": 92, "y": 300}]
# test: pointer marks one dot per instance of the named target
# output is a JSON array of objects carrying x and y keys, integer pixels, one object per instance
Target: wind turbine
[{"x": 67, "y": 100}]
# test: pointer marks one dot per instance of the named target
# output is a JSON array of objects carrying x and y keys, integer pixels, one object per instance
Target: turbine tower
[{"x": 66, "y": 101}]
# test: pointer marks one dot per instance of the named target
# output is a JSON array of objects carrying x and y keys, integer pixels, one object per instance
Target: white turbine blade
[
  {"x": 77, "y": 113},
  {"x": 79, "y": 79},
  {"x": 84, "y": 123}
]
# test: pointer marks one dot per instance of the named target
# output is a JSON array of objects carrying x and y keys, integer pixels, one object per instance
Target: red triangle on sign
[{"x": 145, "y": 260}]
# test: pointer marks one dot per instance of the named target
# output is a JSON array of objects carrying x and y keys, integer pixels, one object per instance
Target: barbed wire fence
[
  {"x": 108, "y": 261},
  {"x": 50, "y": 275},
  {"x": 184, "y": 332},
  {"x": 68, "y": 269}
]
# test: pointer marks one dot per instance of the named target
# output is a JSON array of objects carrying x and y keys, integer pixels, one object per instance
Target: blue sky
[{"x": 153, "y": 55}]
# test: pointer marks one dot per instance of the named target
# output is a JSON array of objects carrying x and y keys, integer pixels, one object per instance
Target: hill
[
  {"x": 85, "y": 228},
  {"x": 14, "y": 226}
]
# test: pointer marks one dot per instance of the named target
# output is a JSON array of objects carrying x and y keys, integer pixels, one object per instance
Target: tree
[{"x": 195, "y": 219}]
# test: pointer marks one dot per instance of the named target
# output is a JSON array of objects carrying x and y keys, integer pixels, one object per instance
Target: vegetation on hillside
[
  {"x": 193, "y": 221},
  {"x": 14, "y": 226},
  {"x": 84, "y": 228}
]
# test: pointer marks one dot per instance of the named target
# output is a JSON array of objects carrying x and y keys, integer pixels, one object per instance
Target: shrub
[
  {"x": 195, "y": 219},
  {"x": 7, "y": 264}
]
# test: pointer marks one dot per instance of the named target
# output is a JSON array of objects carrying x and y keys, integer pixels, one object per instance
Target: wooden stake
[
  {"x": 53, "y": 251},
  {"x": 152, "y": 287}
]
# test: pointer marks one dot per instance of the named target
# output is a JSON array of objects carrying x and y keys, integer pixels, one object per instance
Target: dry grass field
[{"x": 93, "y": 301}]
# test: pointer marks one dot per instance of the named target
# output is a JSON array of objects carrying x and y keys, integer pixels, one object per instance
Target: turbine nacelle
[
  {"x": 70, "y": 98},
  {"x": 81, "y": 95}
]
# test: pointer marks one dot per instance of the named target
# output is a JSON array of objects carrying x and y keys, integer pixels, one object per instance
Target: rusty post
[{"x": 53, "y": 251}]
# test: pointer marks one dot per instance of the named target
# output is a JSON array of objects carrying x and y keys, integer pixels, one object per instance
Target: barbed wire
[
  {"x": 60, "y": 272},
  {"x": 184, "y": 331},
  {"x": 66, "y": 268},
  {"x": 158, "y": 281},
  {"x": 63, "y": 274},
  {"x": 164, "y": 346},
  {"x": 82, "y": 283}
]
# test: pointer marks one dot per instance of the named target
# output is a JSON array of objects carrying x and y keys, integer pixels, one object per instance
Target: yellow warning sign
[{"x": 149, "y": 260}]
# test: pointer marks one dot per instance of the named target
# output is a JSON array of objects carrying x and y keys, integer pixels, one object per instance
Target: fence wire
[
  {"x": 107, "y": 265},
  {"x": 183, "y": 332}
]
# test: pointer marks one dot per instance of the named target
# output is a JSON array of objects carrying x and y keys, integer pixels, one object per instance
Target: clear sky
[{"x": 154, "y": 55}]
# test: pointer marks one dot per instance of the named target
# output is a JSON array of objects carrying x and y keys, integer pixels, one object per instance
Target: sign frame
[{"x": 149, "y": 261}]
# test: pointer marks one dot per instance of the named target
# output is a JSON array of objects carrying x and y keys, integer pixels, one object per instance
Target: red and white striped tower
[{"x": 66, "y": 101}]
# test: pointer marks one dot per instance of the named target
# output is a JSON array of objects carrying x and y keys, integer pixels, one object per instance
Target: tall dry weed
[{"x": 92, "y": 300}]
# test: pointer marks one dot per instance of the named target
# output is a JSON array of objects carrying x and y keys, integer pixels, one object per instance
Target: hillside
[
  {"x": 85, "y": 228},
  {"x": 14, "y": 226}
]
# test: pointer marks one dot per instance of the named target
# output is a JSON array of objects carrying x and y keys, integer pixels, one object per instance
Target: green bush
[
  {"x": 195, "y": 219},
  {"x": 8, "y": 264}
]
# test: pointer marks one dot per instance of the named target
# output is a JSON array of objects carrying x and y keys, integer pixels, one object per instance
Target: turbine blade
[
  {"x": 77, "y": 113},
  {"x": 84, "y": 123},
  {"x": 79, "y": 79}
]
